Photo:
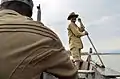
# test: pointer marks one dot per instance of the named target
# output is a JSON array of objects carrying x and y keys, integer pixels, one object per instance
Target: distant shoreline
[{"x": 86, "y": 53}]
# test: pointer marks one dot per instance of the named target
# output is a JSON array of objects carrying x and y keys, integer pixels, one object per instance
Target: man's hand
[
  {"x": 86, "y": 33},
  {"x": 82, "y": 29},
  {"x": 79, "y": 19}
]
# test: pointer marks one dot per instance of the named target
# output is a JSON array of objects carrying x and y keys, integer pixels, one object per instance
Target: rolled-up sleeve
[{"x": 75, "y": 31}]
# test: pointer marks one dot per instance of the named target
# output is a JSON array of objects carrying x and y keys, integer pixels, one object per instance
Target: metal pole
[
  {"x": 96, "y": 51},
  {"x": 103, "y": 66}
]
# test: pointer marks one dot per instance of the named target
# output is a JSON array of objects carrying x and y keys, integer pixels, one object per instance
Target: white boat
[{"x": 89, "y": 69}]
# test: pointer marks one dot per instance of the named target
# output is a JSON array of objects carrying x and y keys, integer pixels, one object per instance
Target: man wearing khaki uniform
[
  {"x": 75, "y": 33},
  {"x": 27, "y": 47}
]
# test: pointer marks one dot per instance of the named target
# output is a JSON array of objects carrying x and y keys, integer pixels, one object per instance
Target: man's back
[{"x": 28, "y": 48}]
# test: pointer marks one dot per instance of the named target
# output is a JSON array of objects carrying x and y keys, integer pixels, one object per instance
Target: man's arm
[
  {"x": 82, "y": 27},
  {"x": 75, "y": 31},
  {"x": 54, "y": 59},
  {"x": 61, "y": 65},
  {"x": 81, "y": 24}
]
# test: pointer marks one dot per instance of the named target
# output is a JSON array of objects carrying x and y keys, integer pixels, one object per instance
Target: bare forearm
[{"x": 81, "y": 24}]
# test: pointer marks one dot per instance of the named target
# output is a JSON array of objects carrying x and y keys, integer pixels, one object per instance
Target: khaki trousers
[{"x": 76, "y": 53}]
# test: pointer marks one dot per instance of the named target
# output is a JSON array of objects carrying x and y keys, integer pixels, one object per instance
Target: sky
[{"x": 100, "y": 17}]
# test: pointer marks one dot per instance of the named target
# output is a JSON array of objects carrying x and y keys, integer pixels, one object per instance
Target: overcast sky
[{"x": 100, "y": 17}]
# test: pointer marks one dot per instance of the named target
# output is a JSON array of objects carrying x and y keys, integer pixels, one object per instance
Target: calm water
[{"x": 111, "y": 61}]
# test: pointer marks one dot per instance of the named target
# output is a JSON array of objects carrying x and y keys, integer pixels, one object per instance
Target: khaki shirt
[
  {"x": 74, "y": 33},
  {"x": 27, "y": 48}
]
